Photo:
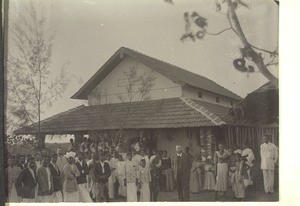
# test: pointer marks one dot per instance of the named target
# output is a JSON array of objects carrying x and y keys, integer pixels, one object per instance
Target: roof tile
[{"x": 164, "y": 113}]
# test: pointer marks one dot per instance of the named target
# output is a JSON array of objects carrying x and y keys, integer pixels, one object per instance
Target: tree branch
[
  {"x": 218, "y": 33},
  {"x": 257, "y": 58},
  {"x": 270, "y": 64},
  {"x": 264, "y": 50}
]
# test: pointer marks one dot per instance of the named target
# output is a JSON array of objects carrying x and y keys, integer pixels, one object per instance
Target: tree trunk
[
  {"x": 41, "y": 141},
  {"x": 78, "y": 139},
  {"x": 257, "y": 58}
]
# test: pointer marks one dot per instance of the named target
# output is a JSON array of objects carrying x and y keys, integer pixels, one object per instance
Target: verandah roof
[{"x": 164, "y": 113}]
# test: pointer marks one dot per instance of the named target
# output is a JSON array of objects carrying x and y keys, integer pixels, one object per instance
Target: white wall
[
  {"x": 114, "y": 85},
  {"x": 207, "y": 96},
  {"x": 180, "y": 138}
]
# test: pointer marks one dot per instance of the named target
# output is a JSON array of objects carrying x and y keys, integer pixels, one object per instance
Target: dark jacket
[
  {"x": 42, "y": 180},
  {"x": 25, "y": 184},
  {"x": 57, "y": 178},
  {"x": 182, "y": 166},
  {"x": 21, "y": 166},
  {"x": 84, "y": 171},
  {"x": 102, "y": 177}
]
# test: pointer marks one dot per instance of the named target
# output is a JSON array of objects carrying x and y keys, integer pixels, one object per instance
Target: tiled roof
[
  {"x": 176, "y": 74},
  {"x": 164, "y": 113}
]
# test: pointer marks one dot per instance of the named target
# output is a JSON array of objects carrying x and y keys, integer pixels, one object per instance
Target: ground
[{"x": 259, "y": 196}]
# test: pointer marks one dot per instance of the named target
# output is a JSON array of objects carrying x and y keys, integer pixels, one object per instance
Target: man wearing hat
[
  {"x": 71, "y": 172},
  {"x": 182, "y": 165}
]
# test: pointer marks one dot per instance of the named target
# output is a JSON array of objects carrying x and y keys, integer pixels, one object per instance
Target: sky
[{"x": 88, "y": 32}]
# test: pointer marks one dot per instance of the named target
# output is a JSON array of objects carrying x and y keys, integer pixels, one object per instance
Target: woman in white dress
[
  {"x": 112, "y": 178},
  {"x": 221, "y": 160},
  {"x": 120, "y": 175},
  {"x": 131, "y": 179}
]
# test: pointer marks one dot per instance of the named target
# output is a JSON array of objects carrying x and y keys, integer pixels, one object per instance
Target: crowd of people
[{"x": 99, "y": 173}]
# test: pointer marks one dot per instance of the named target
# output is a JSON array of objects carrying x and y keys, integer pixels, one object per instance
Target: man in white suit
[{"x": 269, "y": 156}]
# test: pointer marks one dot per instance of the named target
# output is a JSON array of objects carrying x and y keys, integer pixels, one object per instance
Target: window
[
  {"x": 199, "y": 94},
  {"x": 217, "y": 99}
]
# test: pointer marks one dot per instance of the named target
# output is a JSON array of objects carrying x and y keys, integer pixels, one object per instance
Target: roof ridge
[
  {"x": 208, "y": 114},
  {"x": 134, "y": 102},
  {"x": 171, "y": 71},
  {"x": 178, "y": 68}
]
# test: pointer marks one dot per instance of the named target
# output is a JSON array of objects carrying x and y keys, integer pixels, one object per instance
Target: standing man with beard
[{"x": 182, "y": 165}]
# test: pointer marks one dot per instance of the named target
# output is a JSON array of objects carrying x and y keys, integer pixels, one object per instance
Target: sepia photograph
[{"x": 141, "y": 101}]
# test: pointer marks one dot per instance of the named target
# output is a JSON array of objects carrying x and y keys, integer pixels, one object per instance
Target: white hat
[
  {"x": 70, "y": 154},
  {"x": 209, "y": 157},
  {"x": 238, "y": 151}
]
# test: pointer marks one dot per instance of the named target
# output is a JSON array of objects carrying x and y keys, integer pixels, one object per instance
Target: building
[
  {"x": 253, "y": 117},
  {"x": 137, "y": 97}
]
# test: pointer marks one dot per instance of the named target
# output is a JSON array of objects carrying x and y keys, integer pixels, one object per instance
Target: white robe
[
  {"x": 120, "y": 174},
  {"x": 112, "y": 178},
  {"x": 84, "y": 195},
  {"x": 269, "y": 156},
  {"x": 250, "y": 157},
  {"x": 131, "y": 176}
]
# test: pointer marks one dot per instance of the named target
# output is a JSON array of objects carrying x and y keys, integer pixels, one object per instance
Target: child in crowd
[
  {"x": 237, "y": 178},
  {"x": 196, "y": 177},
  {"x": 209, "y": 177},
  {"x": 144, "y": 179}
]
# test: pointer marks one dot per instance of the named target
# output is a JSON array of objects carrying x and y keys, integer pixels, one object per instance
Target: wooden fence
[{"x": 235, "y": 136}]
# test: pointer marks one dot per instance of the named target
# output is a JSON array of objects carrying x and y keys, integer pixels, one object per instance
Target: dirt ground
[{"x": 171, "y": 196}]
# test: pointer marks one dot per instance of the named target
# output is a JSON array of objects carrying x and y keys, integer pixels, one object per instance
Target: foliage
[
  {"x": 137, "y": 88},
  {"x": 33, "y": 85},
  {"x": 250, "y": 55}
]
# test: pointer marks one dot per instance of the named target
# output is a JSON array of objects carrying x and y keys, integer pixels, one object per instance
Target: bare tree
[
  {"x": 250, "y": 54},
  {"x": 32, "y": 82},
  {"x": 137, "y": 89}
]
